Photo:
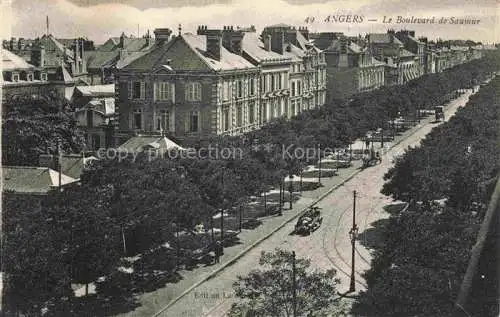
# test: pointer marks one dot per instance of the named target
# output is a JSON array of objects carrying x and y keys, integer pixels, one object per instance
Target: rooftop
[
  {"x": 11, "y": 61},
  {"x": 141, "y": 143},
  {"x": 32, "y": 180}
]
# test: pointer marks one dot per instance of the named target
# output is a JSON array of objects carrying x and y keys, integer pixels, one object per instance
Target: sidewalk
[{"x": 152, "y": 304}]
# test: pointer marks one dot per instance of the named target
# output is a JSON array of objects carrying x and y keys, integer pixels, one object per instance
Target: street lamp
[
  {"x": 319, "y": 175},
  {"x": 175, "y": 227},
  {"x": 353, "y": 233},
  {"x": 290, "y": 190}
]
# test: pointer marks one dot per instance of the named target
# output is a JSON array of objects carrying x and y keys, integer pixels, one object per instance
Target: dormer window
[
  {"x": 15, "y": 77},
  {"x": 44, "y": 76},
  {"x": 30, "y": 77}
]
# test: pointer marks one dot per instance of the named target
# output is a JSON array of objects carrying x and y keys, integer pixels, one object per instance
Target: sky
[{"x": 99, "y": 20}]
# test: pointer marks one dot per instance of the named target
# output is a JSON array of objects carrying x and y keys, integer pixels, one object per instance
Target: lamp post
[
  {"x": 290, "y": 190},
  {"x": 319, "y": 175},
  {"x": 175, "y": 227},
  {"x": 353, "y": 234},
  {"x": 294, "y": 285}
]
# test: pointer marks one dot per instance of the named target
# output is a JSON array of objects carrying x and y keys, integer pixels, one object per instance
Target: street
[{"x": 328, "y": 247}]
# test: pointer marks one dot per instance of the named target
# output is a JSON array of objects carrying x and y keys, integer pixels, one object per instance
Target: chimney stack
[
  {"x": 214, "y": 43},
  {"x": 122, "y": 40},
  {"x": 267, "y": 42},
  {"x": 162, "y": 35},
  {"x": 232, "y": 40},
  {"x": 304, "y": 31}
]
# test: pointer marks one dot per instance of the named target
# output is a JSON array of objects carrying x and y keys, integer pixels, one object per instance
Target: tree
[
  {"x": 35, "y": 277},
  {"x": 81, "y": 224},
  {"x": 269, "y": 291},
  {"x": 32, "y": 127}
]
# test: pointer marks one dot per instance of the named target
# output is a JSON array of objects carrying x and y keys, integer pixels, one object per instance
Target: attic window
[
  {"x": 15, "y": 77},
  {"x": 30, "y": 77},
  {"x": 44, "y": 76}
]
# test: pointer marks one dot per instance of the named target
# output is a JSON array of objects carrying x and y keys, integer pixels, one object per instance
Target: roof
[
  {"x": 254, "y": 47},
  {"x": 72, "y": 165},
  {"x": 97, "y": 90},
  {"x": 32, "y": 180},
  {"x": 141, "y": 143},
  {"x": 228, "y": 60},
  {"x": 98, "y": 59},
  {"x": 405, "y": 53},
  {"x": 129, "y": 44},
  {"x": 376, "y": 62},
  {"x": 383, "y": 38},
  {"x": 11, "y": 61},
  {"x": 66, "y": 76},
  {"x": 352, "y": 47}
]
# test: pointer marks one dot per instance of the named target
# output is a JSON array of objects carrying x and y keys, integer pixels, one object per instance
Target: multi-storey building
[
  {"x": 190, "y": 87},
  {"x": 21, "y": 79},
  {"x": 387, "y": 48},
  {"x": 414, "y": 46},
  {"x": 288, "y": 40},
  {"x": 274, "y": 77},
  {"x": 115, "y": 52},
  {"x": 350, "y": 68}
]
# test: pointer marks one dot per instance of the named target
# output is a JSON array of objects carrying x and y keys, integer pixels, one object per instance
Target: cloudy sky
[{"x": 100, "y": 19}]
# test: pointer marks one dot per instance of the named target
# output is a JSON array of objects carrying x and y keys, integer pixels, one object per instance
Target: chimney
[
  {"x": 305, "y": 32},
  {"x": 12, "y": 43},
  {"x": 38, "y": 55},
  {"x": 162, "y": 35},
  {"x": 122, "y": 40},
  {"x": 76, "y": 56},
  {"x": 232, "y": 40},
  {"x": 214, "y": 43},
  {"x": 21, "y": 43},
  {"x": 148, "y": 39},
  {"x": 412, "y": 33},
  {"x": 267, "y": 42},
  {"x": 277, "y": 41}
]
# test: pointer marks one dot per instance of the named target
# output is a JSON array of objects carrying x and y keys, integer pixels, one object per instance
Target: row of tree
[
  {"x": 420, "y": 267},
  {"x": 133, "y": 206}
]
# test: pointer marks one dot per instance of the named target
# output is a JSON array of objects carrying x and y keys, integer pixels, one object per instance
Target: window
[
  {"x": 239, "y": 116},
  {"x": 272, "y": 82},
  {"x": 193, "y": 91},
  {"x": 136, "y": 90},
  {"x": 292, "y": 108},
  {"x": 194, "y": 121},
  {"x": 30, "y": 77},
  {"x": 96, "y": 141},
  {"x": 137, "y": 123},
  {"x": 299, "y": 92},
  {"x": 164, "y": 91},
  {"x": 263, "y": 112},
  {"x": 44, "y": 76},
  {"x": 15, "y": 77},
  {"x": 251, "y": 112},
  {"x": 293, "y": 88},
  {"x": 279, "y": 82},
  {"x": 163, "y": 121},
  {"x": 90, "y": 119},
  {"x": 276, "y": 109},
  {"x": 240, "y": 88},
  {"x": 265, "y": 83},
  {"x": 225, "y": 90},
  {"x": 252, "y": 86},
  {"x": 225, "y": 118}
]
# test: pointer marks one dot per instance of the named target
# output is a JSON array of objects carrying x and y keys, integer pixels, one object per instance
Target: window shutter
[
  {"x": 172, "y": 88},
  {"x": 130, "y": 90},
  {"x": 198, "y": 123},
  {"x": 155, "y": 91},
  {"x": 143, "y": 89}
]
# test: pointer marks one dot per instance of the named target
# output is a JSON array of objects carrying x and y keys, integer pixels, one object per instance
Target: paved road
[{"x": 328, "y": 247}]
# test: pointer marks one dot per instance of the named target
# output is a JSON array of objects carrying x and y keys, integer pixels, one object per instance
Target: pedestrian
[
  {"x": 217, "y": 252},
  {"x": 379, "y": 158}
]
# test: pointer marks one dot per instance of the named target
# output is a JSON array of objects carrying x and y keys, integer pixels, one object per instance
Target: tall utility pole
[
  {"x": 352, "y": 234},
  {"x": 294, "y": 286},
  {"x": 59, "y": 163},
  {"x": 319, "y": 175},
  {"x": 222, "y": 210}
]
